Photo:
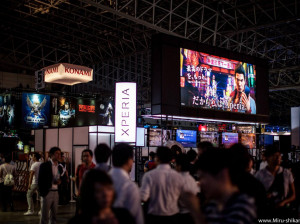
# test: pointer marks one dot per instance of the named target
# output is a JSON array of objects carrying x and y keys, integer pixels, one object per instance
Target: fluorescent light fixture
[{"x": 196, "y": 119}]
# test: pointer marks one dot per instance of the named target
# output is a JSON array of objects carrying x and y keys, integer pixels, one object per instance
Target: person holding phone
[{"x": 240, "y": 99}]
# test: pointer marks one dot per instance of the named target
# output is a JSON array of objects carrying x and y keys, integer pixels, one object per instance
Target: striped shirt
[{"x": 239, "y": 209}]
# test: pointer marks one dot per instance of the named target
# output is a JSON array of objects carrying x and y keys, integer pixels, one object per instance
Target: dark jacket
[{"x": 46, "y": 177}]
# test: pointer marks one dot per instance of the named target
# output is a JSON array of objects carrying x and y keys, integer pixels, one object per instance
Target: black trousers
[
  {"x": 6, "y": 196},
  {"x": 156, "y": 219}
]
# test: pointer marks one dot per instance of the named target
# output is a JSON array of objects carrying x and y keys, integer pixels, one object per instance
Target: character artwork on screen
[
  {"x": 213, "y": 82},
  {"x": 62, "y": 111},
  {"x": 35, "y": 110},
  {"x": 7, "y": 111}
]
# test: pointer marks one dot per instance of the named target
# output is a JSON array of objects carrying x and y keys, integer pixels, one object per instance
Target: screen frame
[
  {"x": 216, "y": 74},
  {"x": 194, "y": 143},
  {"x": 165, "y": 81}
]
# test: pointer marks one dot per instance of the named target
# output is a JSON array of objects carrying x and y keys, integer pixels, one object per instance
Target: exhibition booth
[{"x": 199, "y": 93}]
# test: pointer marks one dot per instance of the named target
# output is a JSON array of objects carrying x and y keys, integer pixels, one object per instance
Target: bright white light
[
  {"x": 196, "y": 119},
  {"x": 125, "y": 112}
]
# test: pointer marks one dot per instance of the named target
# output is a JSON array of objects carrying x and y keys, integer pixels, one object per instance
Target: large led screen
[
  {"x": 187, "y": 138},
  {"x": 7, "y": 111},
  {"x": 35, "y": 110},
  {"x": 212, "y": 82},
  {"x": 62, "y": 111},
  {"x": 229, "y": 139}
]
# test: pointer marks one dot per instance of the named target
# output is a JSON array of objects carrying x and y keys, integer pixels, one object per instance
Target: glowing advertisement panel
[
  {"x": 249, "y": 140},
  {"x": 105, "y": 112},
  {"x": 7, "y": 111},
  {"x": 62, "y": 111},
  {"x": 125, "y": 112},
  {"x": 212, "y": 82},
  {"x": 86, "y": 112},
  {"x": 212, "y": 137},
  {"x": 187, "y": 138},
  {"x": 229, "y": 139},
  {"x": 158, "y": 137},
  {"x": 35, "y": 110}
]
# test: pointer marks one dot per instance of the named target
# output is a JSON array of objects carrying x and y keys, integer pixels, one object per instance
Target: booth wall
[
  {"x": 39, "y": 140},
  {"x": 51, "y": 139}
]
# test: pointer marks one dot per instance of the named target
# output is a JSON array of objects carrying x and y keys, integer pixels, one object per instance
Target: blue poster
[{"x": 35, "y": 110}]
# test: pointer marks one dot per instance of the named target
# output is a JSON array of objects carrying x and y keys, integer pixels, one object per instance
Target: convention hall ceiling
[{"x": 114, "y": 37}]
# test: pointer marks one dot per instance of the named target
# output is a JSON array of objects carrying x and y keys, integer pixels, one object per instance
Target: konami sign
[
  {"x": 68, "y": 74},
  {"x": 125, "y": 112}
]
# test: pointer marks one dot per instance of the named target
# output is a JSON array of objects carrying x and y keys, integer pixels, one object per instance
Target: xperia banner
[{"x": 125, "y": 112}]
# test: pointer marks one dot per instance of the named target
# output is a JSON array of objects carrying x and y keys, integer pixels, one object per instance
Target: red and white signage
[
  {"x": 219, "y": 62},
  {"x": 68, "y": 74}
]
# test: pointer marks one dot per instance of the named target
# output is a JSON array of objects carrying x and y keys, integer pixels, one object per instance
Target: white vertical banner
[{"x": 125, "y": 112}]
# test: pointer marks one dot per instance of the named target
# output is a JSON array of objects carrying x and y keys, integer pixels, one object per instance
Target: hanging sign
[
  {"x": 125, "y": 112},
  {"x": 68, "y": 74}
]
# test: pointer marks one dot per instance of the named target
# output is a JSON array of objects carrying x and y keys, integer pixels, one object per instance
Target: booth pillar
[{"x": 295, "y": 126}]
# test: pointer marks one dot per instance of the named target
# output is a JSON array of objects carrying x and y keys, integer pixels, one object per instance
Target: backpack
[{"x": 9, "y": 179}]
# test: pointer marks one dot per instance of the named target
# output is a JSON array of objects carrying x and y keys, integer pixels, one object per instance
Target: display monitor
[
  {"x": 249, "y": 140},
  {"x": 188, "y": 138},
  {"x": 196, "y": 80},
  {"x": 158, "y": 137},
  {"x": 268, "y": 140},
  {"x": 212, "y": 137},
  {"x": 229, "y": 139},
  {"x": 212, "y": 82}
]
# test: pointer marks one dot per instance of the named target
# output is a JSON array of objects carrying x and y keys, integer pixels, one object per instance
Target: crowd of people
[{"x": 211, "y": 185}]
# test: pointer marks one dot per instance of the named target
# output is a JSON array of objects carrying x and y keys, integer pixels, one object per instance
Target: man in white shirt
[
  {"x": 162, "y": 187},
  {"x": 33, "y": 182},
  {"x": 127, "y": 192},
  {"x": 190, "y": 186},
  {"x": 48, "y": 181}
]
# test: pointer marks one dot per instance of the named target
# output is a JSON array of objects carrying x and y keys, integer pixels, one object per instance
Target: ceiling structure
[{"x": 114, "y": 36}]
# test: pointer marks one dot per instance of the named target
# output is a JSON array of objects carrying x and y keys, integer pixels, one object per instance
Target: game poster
[
  {"x": 35, "y": 110},
  {"x": 105, "y": 113},
  {"x": 62, "y": 111},
  {"x": 212, "y": 82},
  {"x": 86, "y": 112},
  {"x": 7, "y": 111}
]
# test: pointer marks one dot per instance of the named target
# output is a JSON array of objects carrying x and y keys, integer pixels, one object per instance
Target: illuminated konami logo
[
  {"x": 78, "y": 71},
  {"x": 51, "y": 70},
  {"x": 86, "y": 108}
]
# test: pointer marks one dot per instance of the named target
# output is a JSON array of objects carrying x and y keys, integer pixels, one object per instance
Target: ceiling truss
[{"x": 113, "y": 37}]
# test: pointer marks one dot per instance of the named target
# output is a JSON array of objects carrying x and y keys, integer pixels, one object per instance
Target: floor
[{"x": 65, "y": 212}]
